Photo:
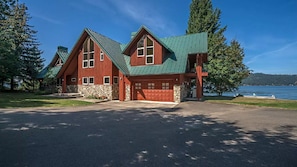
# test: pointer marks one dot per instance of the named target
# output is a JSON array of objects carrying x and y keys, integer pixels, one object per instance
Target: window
[
  {"x": 85, "y": 60},
  {"x": 59, "y": 62},
  {"x": 101, "y": 56},
  {"x": 91, "y": 80},
  {"x": 106, "y": 80},
  {"x": 165, "y": 85},
  {"x": 73, "y": 79},
  {"x": 88, "y": 54},
  {"x": 151, "y": 86},
  {"x": 91, "y": 60},
  {"x": 140, "y": 47},
  {"x": 145, "y": 47},
  {"x": 115, "y": 80},
  {"x": 137, "y": 85},
  {"x": 88, "y": 80},
  {"x": 149, "y": 51},
  {"x": 85, "y": 80}
]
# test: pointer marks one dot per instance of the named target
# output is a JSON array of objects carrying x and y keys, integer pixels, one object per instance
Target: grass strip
[
  {"x": 19, "y": 100},
  {"x": 276, "y": 103}
]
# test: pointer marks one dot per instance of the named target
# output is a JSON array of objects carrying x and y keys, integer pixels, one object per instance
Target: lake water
[{"x": 280, "y": 92}]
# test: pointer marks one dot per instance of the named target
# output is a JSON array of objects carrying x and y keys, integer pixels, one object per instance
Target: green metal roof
[
  {"x": 63, "y": 55},
  {"x": 175, "y": 62},
  {"x": 53, "y": 71},
  {"x": 49, "y": 72}
]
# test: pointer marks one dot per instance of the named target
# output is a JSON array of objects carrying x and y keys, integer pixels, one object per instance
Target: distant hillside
[{"x": 269, "y": 79}]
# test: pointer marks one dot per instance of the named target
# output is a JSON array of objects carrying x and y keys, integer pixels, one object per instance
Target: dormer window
[
  {"x": 59, "y": 62},
  {"x": 88, "y": 54},
  {"x": 149, "y": 51},
  {"x": 140, "y": 47},
  {"x": 145, "y": 47}
]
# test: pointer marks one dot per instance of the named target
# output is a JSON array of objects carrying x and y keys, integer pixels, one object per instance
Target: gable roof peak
[
  {"x": 136, "y": 36},
  {"x": 92, "y": 32}
]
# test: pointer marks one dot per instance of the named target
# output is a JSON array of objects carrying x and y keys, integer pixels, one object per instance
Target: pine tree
[
  {"x": 9, "y": 59},
  {"x": 31, "y": 59},
  {"x": 203, "y": 18},
  {"x": 238, "y": 70},
  {"x": 20, "y": 56}
]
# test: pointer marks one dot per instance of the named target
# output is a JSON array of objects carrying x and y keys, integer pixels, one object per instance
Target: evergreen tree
[
  {"x": 31, "y": 59},
  {"x": 9, "y": 60},
  {"x": 20, "y": 56},
  {"x": 221, "y": 78}
]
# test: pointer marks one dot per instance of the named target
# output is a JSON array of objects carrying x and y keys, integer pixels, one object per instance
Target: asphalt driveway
[{"x": 148, "y": 134}]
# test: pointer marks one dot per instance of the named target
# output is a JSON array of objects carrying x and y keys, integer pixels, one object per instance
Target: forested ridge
[{"x": 270, "y": 79}]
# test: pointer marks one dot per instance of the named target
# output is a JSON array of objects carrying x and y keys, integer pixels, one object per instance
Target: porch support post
[
  {"x": 64, "y": 83},
  {"x": 122, "y": 87},
  {"x": 199, "y": 81}
]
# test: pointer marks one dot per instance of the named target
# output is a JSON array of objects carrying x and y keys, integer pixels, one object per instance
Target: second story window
[
  {"x": 140, "y": 47},
  {"x": 145, "y": 47},
  {"x": 149, "y": 51},
  {"x": 88, "y": 54},
  {"x": 101, "y": 56}
]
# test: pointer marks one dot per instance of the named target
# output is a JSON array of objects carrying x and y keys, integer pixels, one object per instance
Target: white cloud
[
  {"x": 47, "y": 19},
  {"x": 140, "y": 12},
  {"x": 288, "y": 50}
]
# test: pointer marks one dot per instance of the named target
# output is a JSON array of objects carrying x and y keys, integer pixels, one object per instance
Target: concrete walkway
[{"x": 148, "y": 134}]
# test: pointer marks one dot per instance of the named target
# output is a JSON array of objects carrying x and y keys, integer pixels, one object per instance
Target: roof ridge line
[{"x": 87, "y": 29}]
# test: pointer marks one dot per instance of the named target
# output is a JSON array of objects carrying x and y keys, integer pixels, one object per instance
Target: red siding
[{"x": 101, "y": 68}]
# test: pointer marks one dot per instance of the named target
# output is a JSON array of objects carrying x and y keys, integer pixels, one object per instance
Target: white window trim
[
  {"x": 73, "y": 79},
  {"x": 92, "y": 60},
  {"x": 141, "y": 48},
  {"x": 84, "y": 63},
  {"x": 104, "y": 80},
  {"x": 88, "y": 53},
  {"x": 152, "y": 59},
  {"x": 90, "y": 82},
  {"x": 116, "y": 78},
  {"x": 101, "y": 56},
  {"x": 147, "y": 47},
  {"x": 83, "y": 78}
]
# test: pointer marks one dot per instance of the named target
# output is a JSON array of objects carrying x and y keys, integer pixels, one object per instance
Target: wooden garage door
[{"x": 153, "y": 90}]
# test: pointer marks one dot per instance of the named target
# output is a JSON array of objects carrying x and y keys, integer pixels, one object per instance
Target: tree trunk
[{"x": 11, "y": 84}]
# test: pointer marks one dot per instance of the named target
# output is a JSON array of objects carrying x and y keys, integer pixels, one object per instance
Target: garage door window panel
[{"x": 137, "y": 86}]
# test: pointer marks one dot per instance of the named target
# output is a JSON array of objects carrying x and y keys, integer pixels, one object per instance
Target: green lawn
[
  {"x": 277, "y": 103},
  {"x": 13, "y": 100}
]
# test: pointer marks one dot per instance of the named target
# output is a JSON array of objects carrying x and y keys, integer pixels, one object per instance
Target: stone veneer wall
[
  {"x": 115, "y": 91},
  {"x": 59, "y": 89},
  {"x": 184, "y": 92},
  {"x": 128, "y": 92},
  {"x": 177, "y": 93},
  {"x": 96, "y": 90},
  {"x": 71, "y": 89}
]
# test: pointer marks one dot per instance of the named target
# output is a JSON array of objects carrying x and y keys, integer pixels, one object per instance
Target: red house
[{"x": 147, "y": 68}]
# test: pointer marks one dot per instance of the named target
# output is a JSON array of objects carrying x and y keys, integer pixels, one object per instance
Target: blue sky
[{"x": 266, "y": 29}]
